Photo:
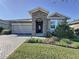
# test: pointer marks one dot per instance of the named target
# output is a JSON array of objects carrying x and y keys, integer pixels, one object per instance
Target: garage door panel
[{"x": 21, "y": 28}]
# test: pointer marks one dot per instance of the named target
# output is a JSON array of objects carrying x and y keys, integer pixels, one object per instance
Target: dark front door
[{"x": 39, "y": 27}]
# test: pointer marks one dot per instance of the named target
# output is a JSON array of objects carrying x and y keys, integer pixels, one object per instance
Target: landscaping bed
[{"x": 63, "y": 42}]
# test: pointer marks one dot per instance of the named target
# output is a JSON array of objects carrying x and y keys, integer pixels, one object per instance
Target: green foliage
[
  {"x": 49, "y": 34},
  {"x": 75, "y": 45},
  {"x": 75, "y": 39},
  {"x": 1, "y": 29},
  {"x": 64, "y": 42},
  {"x": 67, "y": 41},
  {"x": 64, "y": 31},
  {"x": 6, "y": 31},
  {"x": 44, "y": 51},
  {"x": 34, "y": 40}
]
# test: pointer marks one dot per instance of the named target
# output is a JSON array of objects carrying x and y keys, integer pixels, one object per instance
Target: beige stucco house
[
  {"x": 39, "y": 24},
  {"x": 74, "y": 24}
]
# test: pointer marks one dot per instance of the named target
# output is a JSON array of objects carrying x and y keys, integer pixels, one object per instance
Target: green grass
[{"x": 44, "y": 51}]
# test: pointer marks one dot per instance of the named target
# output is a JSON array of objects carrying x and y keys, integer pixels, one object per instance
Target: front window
[{"x": 53, "y": 24}]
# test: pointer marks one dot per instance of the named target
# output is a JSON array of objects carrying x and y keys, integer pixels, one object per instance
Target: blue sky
[{"x": 18, "y": 9}]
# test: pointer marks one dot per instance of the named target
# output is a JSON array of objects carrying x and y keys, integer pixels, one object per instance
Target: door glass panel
[{"x": 39, "y": 26}]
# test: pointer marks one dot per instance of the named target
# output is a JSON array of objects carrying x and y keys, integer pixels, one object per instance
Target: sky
[{"x": 19, "y": 9}]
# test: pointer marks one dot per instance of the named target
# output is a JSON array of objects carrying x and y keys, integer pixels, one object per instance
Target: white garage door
[{"x": 22, "y": 28}]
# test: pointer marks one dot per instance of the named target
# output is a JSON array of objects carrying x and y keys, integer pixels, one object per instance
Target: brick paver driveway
[{"x": 8, "y": 43}]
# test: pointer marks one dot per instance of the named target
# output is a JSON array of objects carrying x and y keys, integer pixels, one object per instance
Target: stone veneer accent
[{"x": 42, "y": 16}]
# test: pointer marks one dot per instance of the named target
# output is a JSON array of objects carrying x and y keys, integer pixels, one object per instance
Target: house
[
  {"x": 4, "y": 24},
  {"x": 39, "y": 24},
  {"x": 75, "y": 26}
]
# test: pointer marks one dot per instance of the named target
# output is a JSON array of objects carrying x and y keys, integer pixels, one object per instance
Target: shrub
[
  {"x": 34, "y": 40},
  {"x": 6, "y": 31},
  {"x": 1, "y": 29},
  {"x": 75, "y": 39},
  {"x": 49, "y": 34},
  {"x": 64, "y": 31},
  {"x": 76, "y": 45},
  {"x": 64, "y": 42},
  {"x": 67, "y": 41}
]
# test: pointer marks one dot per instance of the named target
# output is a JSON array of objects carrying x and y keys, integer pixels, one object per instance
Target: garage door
[{"x": 22, "y": 28}]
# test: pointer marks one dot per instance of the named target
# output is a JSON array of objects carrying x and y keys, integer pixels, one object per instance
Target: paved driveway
[{"x": 8, "y": 44}]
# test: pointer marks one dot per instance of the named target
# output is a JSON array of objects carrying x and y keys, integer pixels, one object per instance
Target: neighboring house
[
  {"x": 4, "y": 24},
  {"x": 40, "y": 23},
  {"x": 75, "y": 26}
]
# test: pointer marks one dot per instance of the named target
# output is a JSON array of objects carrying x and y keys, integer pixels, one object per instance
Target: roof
[
  {"x": 20, "y": 20},
  {"x": 4, "y": 21},
  {"x": 56, "y": 14},
  {"x": 38, "y": 9},
  {"x": 74, "y": 22}
]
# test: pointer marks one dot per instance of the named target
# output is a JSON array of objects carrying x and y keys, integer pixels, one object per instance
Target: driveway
[{"x": 8, "y": 43}]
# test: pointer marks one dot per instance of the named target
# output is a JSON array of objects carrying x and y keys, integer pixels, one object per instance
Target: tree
[{"x": 64, "y": 31}]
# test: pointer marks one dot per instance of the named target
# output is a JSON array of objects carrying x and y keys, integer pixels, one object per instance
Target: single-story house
[
  {"x": 4, "y": 24},
  {"x": 75, "y": 26},
  {"x": 39, "y": 24}
]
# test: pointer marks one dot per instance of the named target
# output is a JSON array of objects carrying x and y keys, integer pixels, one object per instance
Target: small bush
[
  {"x": 33, "y": 40},
  {"x": 64, "y": 42},
  {"x": 1, "y": 29},
  {"x": 76, "y": 45},
  {"x": 6, "y": 31},
  {"x": 67, "y": 41},
  {"x": 75, "y": 39},
  {"x": 49, "y": 34}
]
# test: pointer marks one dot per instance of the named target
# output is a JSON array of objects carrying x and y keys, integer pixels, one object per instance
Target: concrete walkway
[{"x": 8, "y": 43}]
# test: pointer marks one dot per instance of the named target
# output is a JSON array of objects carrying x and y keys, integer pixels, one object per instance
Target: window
[{"x": 52, "y": 26}]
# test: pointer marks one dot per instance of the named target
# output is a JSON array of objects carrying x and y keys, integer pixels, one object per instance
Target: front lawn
[{"x": 44, "y": 51}]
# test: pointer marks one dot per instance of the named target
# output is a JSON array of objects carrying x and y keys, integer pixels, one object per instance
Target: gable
[
  {"x": 38, "y": 9},
  {"x": 55, "y": 15},
  {"x": 58, "y": 15}
]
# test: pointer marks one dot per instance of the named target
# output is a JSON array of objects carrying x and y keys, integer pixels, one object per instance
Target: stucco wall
[{"x": 75, "y": 26}]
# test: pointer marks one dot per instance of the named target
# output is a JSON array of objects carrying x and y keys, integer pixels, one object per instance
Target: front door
[{"x": 39, "y": 26}]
